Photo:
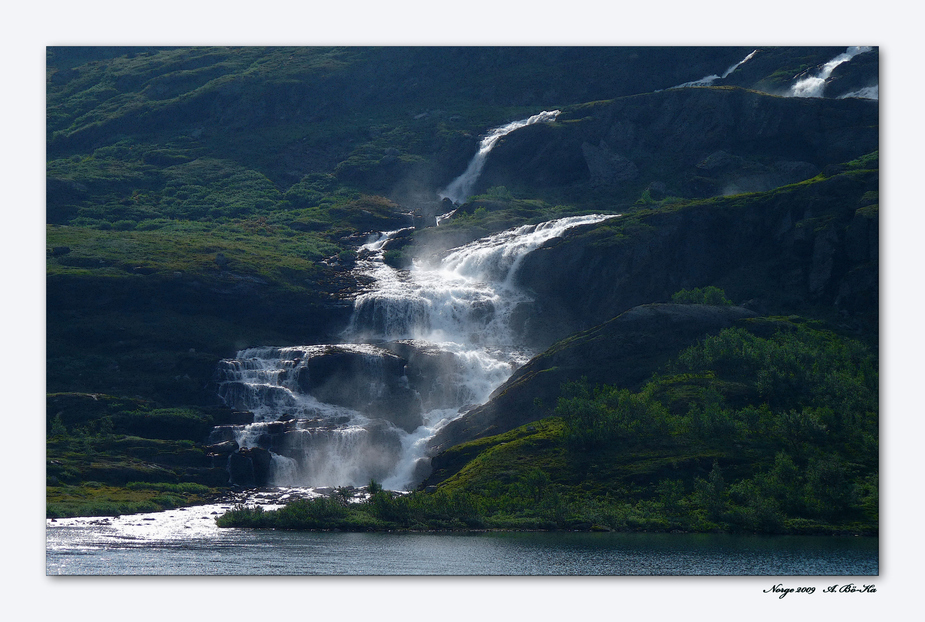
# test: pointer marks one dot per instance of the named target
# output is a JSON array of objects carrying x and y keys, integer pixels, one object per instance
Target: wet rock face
[
  {"x": 436, "y": 376},
  {"x": 606, "y": 167},
  {"x": 373, "y": 383},
  {"x": 250, "y": 467}
]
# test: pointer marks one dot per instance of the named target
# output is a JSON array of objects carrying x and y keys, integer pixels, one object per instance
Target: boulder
[
  {"x": 241, "y": 470},
  {"x": 222, "y": 448},
  {"x": 435, "y": 375}
]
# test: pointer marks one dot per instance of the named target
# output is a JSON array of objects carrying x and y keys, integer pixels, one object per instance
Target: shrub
[
  {"x": 706, "y": 296},
  {"x": 599, "y": 416},
  {"x": 395, "y": 258}
]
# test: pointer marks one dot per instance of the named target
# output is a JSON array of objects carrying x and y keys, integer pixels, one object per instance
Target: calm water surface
[{"x": 187, "y": 542}]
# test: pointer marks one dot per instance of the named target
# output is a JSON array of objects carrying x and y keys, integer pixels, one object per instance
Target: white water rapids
[
  {"x": 814, "y": 85},
  {"x": 423, "y": 344}
]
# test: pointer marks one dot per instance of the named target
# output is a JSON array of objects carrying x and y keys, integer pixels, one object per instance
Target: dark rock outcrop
[
  {"x": 436, "y": 375},
  {"x": 250, "y": 467}
]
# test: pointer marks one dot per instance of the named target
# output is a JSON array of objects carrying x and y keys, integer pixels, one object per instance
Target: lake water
[{"x": 187, "y": 542}]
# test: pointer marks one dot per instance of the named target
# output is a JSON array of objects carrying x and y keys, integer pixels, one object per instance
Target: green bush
[
  {"x": 706, "y": 296},
  {"x": 602, "y": 415},
  {"x": 397, "y": 259}
]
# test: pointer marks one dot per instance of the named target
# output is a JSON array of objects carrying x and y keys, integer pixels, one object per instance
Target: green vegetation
[
  {"x": 107, "y": 456},
  {"x": 709, "y": 295},
  {"x": 97, "y": 499}
]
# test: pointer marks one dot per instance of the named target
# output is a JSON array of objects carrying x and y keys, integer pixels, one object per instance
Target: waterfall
[
  {"x": 423, "y": 346},
  {"x": 460, "y": 188},
  {"x": 708, "y": 80},
  {"x": 813, "y": 86}
]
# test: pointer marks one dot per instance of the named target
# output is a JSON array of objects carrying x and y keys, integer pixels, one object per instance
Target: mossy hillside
[
  {"x": 809, "y": 247},
  {"x": 112, "y": 455},
  {"x": 255, "y": 249},
  {"x": 123, "y": 124},
  {"x": 692, "y": 143},
  {"x": 829, "y": 201},
  {"x": 370, "y": 113},
  {"x": 94, "y": 413},
  {"x": 150, "y": 313}
]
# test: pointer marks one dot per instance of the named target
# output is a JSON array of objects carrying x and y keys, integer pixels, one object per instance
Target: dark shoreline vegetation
[{"x": 204, "y": 200}]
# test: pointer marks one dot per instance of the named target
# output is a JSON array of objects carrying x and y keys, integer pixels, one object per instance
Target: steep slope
[{"x": 812, "y": 244}]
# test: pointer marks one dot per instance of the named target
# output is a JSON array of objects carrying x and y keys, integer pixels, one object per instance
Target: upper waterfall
[
  {"x": 814, "y": 85},
  {"x": 708, "y": 80},
  {"x": 460, "y": 188}
]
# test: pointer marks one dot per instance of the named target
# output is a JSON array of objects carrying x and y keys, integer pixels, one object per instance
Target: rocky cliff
[
  {"x": 813, "y": 244},
  {"x": 691, "y": 142}
]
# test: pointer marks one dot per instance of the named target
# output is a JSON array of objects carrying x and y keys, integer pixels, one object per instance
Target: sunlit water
[{"x": 188, "y": 542}]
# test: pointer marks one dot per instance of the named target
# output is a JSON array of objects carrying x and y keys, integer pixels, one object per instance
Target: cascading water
[
  {"x": 708, "y": 80},
  {"x": 423, "y": 345},
  {"x": 813, "y": 86},
  {"x": 460, "y": 188}
]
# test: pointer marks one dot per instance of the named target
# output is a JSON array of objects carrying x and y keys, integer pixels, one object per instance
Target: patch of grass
[
  {"x": 189, "y": 248},
  {"x": 104, "y": 500}
]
